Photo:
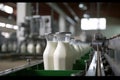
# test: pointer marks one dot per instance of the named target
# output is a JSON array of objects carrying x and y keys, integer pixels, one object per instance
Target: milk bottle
[
  {"x": 63, "y": 55},
  {"x": 80, "y": 47},
  {"x": 49, "y": 51},
  {"x": 84, "y": 47},
  {"x": 73, "y": 51},
  {"x": 10, "y": 46},
  {"x": 23, "y": 47},
  {"x": 14, "y": 46},
  {"x": 31, "y": 47},
  {"x": 77, "y": 49},
  {"x": 4, "y": 47},
  {"x": 38, "y": 48}
]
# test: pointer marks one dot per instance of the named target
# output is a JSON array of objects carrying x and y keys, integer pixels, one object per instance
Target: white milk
[
  {"x": 63, "y": 57},
  {"x": 48, "y": 55},
  {"x": 81, "y": 49},
  {"x": 78, "y": 52},
  {"x": 38, "y": 48},
  {"x": 23, "y": 48},
  {"x": 31, "y": 48},
  {"x": 74, "y": 52},
  {"x": 10, "y": 46},
  {"x": 14, "y": 46},
  {"x": 84, "y": 48},
  {"x": 4, "y": 47}
]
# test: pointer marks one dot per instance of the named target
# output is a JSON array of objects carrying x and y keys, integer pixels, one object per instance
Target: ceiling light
[
  {"x": 9, "y": 26},
  {"x": 93, "y": 23},
  {"x": 15, "y": 27},
  {"x": 2, "y": 24},
  {"x": 8, "y": 9},
  {"x": 81, "y": 5}
]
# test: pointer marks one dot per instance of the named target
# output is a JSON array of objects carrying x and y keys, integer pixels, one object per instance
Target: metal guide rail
[
  {"x": 113, "y": 42},
  {"x": 115, "y": 36},
  {"x": 11, "y": 70},
  {"x": 96, "y": 66},
  {"x": 100, "y": 68},
  {"x": 92, "y": 67},
  {"x": 16, "y": 55},
  {"x": 114, "y": 66}
]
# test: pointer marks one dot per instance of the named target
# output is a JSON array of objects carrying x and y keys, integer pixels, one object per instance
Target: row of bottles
[
  {"x": 62, "y": 52},
  {"x": 9, "y": 46},
  {"x": 32, "y": 46}
]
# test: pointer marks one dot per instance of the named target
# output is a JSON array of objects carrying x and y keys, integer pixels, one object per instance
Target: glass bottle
[
  {"x": 4, "y": 47},
  {"x": 14, "y": 46},
  {"x": 38, "y": 47},
  {"x": 10, "y": 46},
  {"x": 63, "y": 55},
  {"x": 31, "y": 47},
  {"x": 23, "y": 47},
  {"x": 49, "y": 51},
  {"x": 77, "y": 49}
]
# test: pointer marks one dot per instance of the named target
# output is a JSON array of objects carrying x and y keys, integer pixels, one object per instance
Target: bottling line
[
  {"x": 95, "y": 62},
  {"x": 30, "y": 46}
]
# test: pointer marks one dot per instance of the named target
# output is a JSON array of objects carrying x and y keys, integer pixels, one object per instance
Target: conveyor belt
[
  {"x": 20, "y": 56},
  {"x": 93, "y": 67},
  {"x": 102, "y": 68},
  {"x": 7, "y": 66}
]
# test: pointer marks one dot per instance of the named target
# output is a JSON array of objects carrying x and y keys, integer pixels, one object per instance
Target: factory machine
[
  {"x": 29, "y": 40},
  {"x": 104, "y": 62}
]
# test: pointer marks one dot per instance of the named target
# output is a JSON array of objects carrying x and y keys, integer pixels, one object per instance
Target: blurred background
[{"x": 23, "y": 28}]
